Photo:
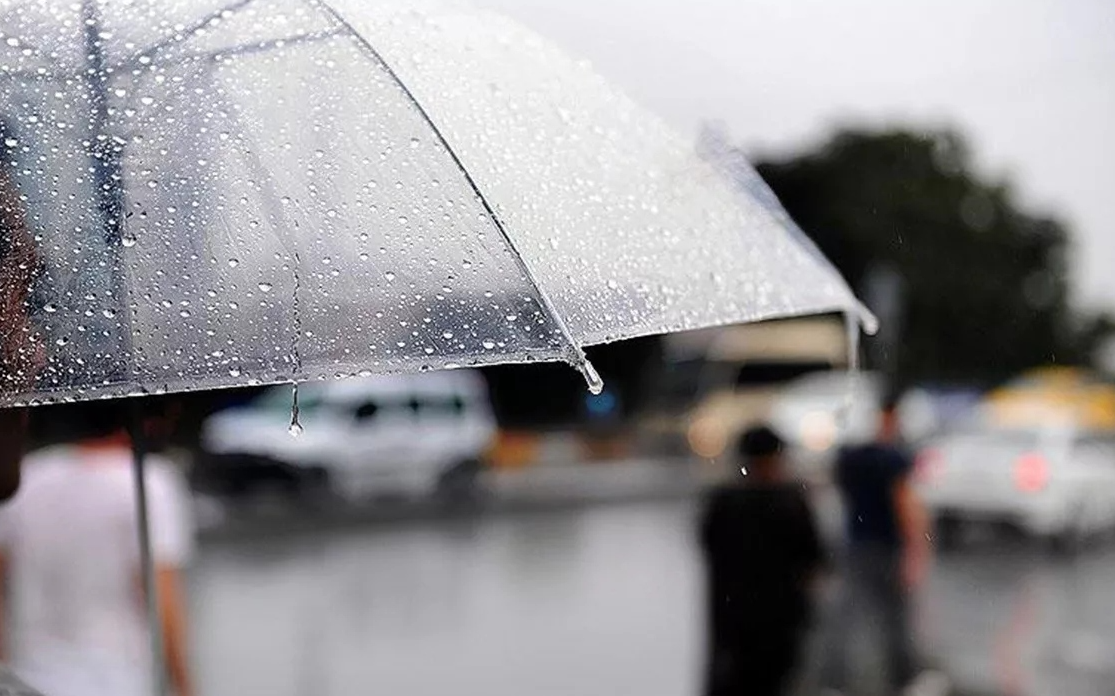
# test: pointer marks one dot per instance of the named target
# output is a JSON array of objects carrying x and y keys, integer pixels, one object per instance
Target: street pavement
[{"x": 570, "y": 592}]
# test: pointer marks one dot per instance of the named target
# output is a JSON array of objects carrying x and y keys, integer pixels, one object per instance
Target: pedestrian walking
[
  {"x": 885, "y": 560},
  {"x": 763, "y": 556},
  {"x": 74, "y": 622}
]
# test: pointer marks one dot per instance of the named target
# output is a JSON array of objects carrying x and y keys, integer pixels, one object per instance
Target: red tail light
[
  {"x": 929, "y": 465},
  {"x": 1031, "y": 473}
]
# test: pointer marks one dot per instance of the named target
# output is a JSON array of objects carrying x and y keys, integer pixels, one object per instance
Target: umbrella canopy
[{"x": 211, "y": 193}]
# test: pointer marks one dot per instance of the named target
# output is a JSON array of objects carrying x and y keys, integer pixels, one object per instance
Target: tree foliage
[{"x": 986, "y": 284}]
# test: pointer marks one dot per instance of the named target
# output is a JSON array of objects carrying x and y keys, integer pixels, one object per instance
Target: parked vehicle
[
  {"x": 1055, "y": 482},
  {"x": 399, "y": 434},
  {"x": 722, "y": 381}
]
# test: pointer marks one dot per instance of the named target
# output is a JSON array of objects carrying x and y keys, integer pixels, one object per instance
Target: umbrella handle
[{"x": 146, "y": 560}]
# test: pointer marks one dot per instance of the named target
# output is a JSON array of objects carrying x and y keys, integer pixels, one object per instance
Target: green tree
[{"x": 986, "y": 283}]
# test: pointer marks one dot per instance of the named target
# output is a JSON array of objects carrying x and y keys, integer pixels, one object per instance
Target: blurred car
[
  {"x": 1047, "y": 394},
  {"x": 398, "y": 434},
  {"x": 1054, "y": 482},
  {"x": 819, "y": 413},
  {"x": 728, "y": 378}
]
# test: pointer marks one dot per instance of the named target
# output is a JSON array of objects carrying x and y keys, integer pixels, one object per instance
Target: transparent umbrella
[
  {"x": 276, "y": 190},
  {"x": 214, "y": 193}
]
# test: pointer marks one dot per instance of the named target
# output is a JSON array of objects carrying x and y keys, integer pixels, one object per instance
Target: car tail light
[
  {"x": 1031, "y": 473},
  {"x": 929, "y": 466}
]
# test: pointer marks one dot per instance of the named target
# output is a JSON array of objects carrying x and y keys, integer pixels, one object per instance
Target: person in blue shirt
[{"x": 887, "y": 552}]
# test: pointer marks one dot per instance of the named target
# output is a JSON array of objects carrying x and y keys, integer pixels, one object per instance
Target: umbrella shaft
[{"x": 147, "y": 563}]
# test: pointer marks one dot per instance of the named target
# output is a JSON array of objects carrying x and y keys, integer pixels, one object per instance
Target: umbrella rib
[
  {"x": 576, "y": 356},
  {"x": 193, "y": 29},
  {"x": 260, "y": 47}
]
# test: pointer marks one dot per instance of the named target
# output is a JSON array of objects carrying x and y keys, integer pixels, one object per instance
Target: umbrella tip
[{"x": 592, "y": 377}]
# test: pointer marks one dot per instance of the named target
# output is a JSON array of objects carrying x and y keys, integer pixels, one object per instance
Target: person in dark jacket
[{"x": 763, "y": 555}]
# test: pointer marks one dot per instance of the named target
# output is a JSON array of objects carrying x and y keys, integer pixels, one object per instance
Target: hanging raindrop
[{"x": 295, "y": 428}]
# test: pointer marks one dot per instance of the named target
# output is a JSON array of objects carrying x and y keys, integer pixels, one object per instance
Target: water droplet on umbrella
[
  {"x": 128, "y": 239},
  {"x": 233, "y": 263},
  {"x": 389, "y": 276},
  {"x": 62, "y": 341},
  {"x": 185, "y": 314},
  {"x": 488, "y": 345},
  {"x": 447, "y": 334},
  {"x": 234, "y": 371},
  {"x": 51, "y": 308},
  {"x": 265, "y": 287},
  {"x": 109, "y": 313}
]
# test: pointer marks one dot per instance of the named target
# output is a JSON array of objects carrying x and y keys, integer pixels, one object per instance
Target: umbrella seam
[{"x": 576, "y": 356}]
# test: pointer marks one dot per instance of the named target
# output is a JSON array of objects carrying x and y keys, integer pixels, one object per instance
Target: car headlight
[
  {"x": 818, "y": 431},
  {"x": 707, "y": 438}
]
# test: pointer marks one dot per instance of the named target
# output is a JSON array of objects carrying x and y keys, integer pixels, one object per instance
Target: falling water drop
[
  {"x": 295, "y": 428},
  {"x": 743, "y": 470}
]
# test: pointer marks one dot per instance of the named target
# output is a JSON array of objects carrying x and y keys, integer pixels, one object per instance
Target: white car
[
  {"x": 398, "y": 434},
  {"x": 819, "y": 413},
  {"x": 1057, "y": 483}
]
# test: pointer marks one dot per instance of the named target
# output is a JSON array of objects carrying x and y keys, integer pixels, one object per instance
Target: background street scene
[
  {"x": 589, "y": 599},
  {"x": 538, "y": 348}
]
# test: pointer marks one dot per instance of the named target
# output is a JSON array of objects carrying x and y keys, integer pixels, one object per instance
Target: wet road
[{"x": 599, "y": 600}]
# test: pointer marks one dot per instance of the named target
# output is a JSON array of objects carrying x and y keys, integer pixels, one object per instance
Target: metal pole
[{"x": 146, "y": 561}]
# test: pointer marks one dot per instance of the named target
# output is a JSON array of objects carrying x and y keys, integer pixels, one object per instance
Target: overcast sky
[{"x": 1030, "y": 82}]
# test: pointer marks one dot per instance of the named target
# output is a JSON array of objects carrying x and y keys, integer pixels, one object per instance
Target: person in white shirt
[{"x": 75, "y": 622}]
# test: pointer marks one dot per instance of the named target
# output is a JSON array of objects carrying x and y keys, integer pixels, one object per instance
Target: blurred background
[{"x": 503, "y": 531}]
